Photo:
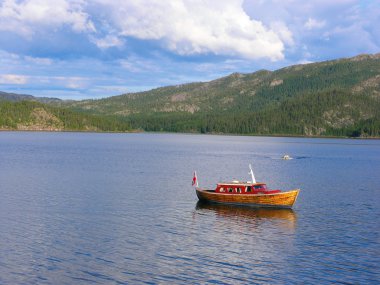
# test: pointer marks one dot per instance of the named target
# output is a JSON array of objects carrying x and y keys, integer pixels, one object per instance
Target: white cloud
[
  {"x": 13, "y": 79},
  {"x": 330, "y": 29},
  {"x": 109, "y": 89},
  {"x": 189, "y": 27},
  {"x": 38, "y": 60},
  {"x": 185, "y": 27},
  {"x": 108, "y": 41},
  {"x": 283, "y": 32},
  {"x": 138, "y": 65},
  {"x": 72, "y": 82},
  {"x": 28, "y": 16},
  {"x": 314, "y": 24},
  {"x": 68, "y": 43}
]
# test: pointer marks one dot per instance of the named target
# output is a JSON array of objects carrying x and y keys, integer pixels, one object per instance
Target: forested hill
[
  {"x": 36, "y": 116},
  {"x": 13, "y": 97},
  {"x": 337, "y": 98},
  {"x": 331, "y": 98}
]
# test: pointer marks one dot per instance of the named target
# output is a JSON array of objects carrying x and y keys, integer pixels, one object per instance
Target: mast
[{"x": 252, "y": 175}]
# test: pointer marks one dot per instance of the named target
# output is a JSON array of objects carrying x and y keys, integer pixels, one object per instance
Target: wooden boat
[{"x": 250, "y": 193}]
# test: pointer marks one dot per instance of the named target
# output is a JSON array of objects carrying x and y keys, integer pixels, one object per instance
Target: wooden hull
[{"x": 278, "y": 200}]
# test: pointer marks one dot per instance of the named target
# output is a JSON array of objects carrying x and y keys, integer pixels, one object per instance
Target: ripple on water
[{"x": 118, "y": 208}]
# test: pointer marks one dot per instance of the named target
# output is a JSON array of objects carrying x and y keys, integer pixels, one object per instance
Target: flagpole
[{"x": 195, "y": 179}]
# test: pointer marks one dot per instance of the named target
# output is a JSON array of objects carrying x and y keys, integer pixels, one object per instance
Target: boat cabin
[{"x": 237, "y": 187}]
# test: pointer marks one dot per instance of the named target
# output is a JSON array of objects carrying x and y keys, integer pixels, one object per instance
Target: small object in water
[{"x": 287, "y": 157}]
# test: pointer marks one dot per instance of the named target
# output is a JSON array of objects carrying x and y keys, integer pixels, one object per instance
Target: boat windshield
[{"x": 260, "y": 187}]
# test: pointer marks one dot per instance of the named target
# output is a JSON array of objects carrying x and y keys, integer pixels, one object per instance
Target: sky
[{"x": 77, "y": 49}]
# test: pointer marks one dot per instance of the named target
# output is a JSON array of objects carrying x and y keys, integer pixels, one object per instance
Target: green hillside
[
  {"x": 332, "y": 98},
  {"x": 31, "y": 115},
  {"x": 23, "y": 97}
]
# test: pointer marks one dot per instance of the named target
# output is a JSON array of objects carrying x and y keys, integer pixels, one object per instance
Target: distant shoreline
[{"x": 190, "y": 133}]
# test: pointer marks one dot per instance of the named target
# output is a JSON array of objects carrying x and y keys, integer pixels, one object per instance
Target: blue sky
[{"x": 77, "y": 49}]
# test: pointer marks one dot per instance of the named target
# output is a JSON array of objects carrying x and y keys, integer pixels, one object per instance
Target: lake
[{"x": 119, "y": 209}]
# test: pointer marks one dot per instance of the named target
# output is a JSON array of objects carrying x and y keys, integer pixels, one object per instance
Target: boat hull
[{"x": 277, "y": 200}]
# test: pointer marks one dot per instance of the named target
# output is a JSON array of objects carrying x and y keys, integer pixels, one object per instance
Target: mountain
[
  {"x": 332, "y": 98},
  {"x": 35, "y": 116},
  {"x": 21, "y": 97}
]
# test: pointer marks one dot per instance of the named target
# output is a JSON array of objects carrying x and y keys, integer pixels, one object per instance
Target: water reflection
[
  {"x": 71, "y": 211},
  {"x": 287, "y": 217}
]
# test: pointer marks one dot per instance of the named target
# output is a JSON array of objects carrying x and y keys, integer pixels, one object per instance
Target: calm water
[{"x": 120, "y": 209}]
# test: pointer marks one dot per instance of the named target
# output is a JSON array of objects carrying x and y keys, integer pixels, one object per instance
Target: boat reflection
[{"x": 287, "y": 216}]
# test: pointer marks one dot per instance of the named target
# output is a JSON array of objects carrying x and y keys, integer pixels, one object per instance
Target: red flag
[{"x": 194, "y": 179}]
